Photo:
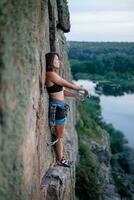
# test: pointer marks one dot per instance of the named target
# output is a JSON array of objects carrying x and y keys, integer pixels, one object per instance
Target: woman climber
[{"x": 57, "y": 107}]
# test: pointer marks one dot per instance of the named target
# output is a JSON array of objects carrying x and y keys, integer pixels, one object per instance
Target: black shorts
[{"x": 57, "y": 112}]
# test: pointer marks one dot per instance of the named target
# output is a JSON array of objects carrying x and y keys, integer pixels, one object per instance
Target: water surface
[{"x": 118, "y": 111}]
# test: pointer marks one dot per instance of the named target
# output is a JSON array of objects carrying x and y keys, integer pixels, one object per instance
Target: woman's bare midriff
[{"x": 57, "y": 95}]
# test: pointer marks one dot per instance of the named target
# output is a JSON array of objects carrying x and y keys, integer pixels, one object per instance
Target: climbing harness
[{"x": 56, "y": 112}]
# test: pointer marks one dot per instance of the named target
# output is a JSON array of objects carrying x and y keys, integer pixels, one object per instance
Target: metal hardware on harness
[{"x": 52, "y": 115}]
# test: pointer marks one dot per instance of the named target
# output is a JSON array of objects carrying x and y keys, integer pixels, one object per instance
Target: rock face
[
  {"x": 101, "y": 151},
  {"x": 30, "y": 29}
]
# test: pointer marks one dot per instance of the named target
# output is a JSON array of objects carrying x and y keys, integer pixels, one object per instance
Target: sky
[{"x": 101, "y": 20}]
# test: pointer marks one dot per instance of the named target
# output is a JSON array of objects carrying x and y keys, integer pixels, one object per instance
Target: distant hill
[{"x": 102, "y": 58}]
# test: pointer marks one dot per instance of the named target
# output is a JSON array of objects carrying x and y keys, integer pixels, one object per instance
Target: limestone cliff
[{"x": 30, "y": 29}]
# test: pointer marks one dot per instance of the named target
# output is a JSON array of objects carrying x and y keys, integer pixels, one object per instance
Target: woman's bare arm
[
  {"x": 69, "y": 93},
  {"x": 55, "y": 78},
  {"x": 78, "y": 96}
]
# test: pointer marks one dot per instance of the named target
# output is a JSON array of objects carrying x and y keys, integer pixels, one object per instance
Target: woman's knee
[{"x": 60, "y": 129}]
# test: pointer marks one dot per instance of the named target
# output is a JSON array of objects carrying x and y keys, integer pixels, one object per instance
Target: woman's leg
[{"x": 59, "y": 129}]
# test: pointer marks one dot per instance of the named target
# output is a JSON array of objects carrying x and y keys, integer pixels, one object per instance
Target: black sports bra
[{"x": 54, "y": 88}]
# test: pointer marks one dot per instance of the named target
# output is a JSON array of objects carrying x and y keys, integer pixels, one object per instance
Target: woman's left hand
[
  {"x": 82, "y": 94},
  {"x": 79, "y": 97}
]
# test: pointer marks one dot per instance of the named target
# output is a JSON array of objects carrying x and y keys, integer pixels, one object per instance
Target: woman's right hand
[{"x": 86, "y": 93}]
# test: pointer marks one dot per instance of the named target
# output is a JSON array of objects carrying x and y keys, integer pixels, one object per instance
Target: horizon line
[{"x": 101, "y": 41}]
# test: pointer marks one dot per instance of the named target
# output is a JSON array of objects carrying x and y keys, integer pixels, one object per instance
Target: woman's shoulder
[
  {"x": 50, "y": 73},
  {"x": 54, "y": 77},
  {"x": 51, "y": 76}
]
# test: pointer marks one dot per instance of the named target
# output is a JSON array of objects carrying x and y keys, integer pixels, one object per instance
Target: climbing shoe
[{"x": 65, "y": 163}]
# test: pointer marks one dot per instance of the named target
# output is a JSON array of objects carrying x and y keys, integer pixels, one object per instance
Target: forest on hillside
[
  {"x": 102, "y": 58},
  {"x": 104, "y": 61},
  {"x": 110, "y": 64}
]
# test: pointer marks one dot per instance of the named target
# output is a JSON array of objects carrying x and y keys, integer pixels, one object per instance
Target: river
[{"x": 118, "y": 111}]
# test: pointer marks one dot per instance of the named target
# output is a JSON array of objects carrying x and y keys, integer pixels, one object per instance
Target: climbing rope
[{"x": 54, "y": 142}]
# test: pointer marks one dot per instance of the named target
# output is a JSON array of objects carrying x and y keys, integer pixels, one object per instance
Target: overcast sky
[{"x": 101, "y": 20}]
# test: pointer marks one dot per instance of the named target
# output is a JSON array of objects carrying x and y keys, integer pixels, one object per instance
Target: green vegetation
[
  {"x": 117, "y": 139},
  {"x": 89, "y": 112},
  {"x": 87, "y": 184},
  {"x": 91, "y": 127},
  {"x": 111, "y": 61},
  {"x": 112, "y": 64}
]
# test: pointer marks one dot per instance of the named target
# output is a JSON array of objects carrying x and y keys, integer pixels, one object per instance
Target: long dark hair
[{"x": 50, "y": 59}]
